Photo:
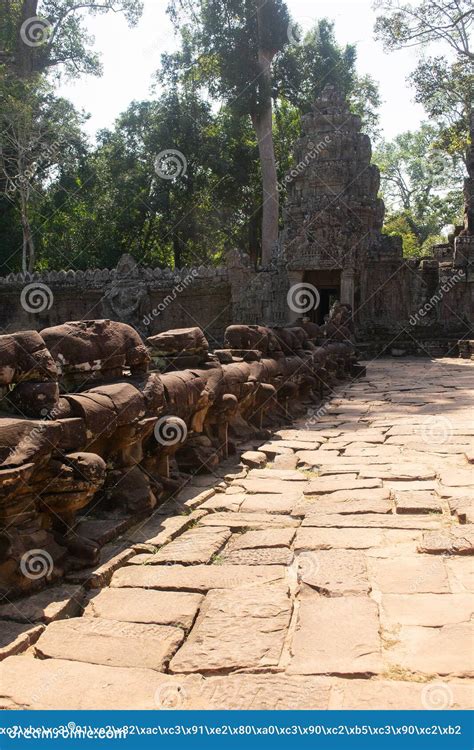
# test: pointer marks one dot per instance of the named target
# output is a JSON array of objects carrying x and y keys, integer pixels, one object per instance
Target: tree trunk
[
  {"x": 270, "y": 205},
  {"x": 253, "y": 227},
  {"x": 262, "y": 121},
  {"x": 28, "y": 255},
  {"x": 26, "y": 54}
]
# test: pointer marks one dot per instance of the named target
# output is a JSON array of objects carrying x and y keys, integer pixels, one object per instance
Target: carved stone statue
[{"x": 126, "y": 298}]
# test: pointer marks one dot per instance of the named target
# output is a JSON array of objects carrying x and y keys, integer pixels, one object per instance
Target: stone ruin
[
  {"x": 332, "y": 242},
  {"x": 99, "y": 426},
  {"x": 104, "y": 417}
]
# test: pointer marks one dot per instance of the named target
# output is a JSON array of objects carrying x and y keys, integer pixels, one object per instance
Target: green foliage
[
  {"x": 86, "y": 205},
  {"x": 221, "y": 42},
  {"x": 40, "y": 137},
  {"x": 60, "y": 40},
  {"x": 443, "y": 84},
  {"x": 421, "y": 187},
  {"x": 303, "y": 70},
  {"x": 426, "y": 21}
]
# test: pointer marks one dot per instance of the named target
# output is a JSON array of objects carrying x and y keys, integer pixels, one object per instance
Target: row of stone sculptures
[{"x": 93, "y": 418}]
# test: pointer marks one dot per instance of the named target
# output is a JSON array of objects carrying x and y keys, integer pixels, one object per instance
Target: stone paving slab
[
  {"x": 112, "y": 643},
  {"x": 328, "y": 504},
  {"x": 197, "y": 546},
  {"x": 409, "y": 575},
  {"x": 458, "y": 478},
  {"x": 243, "y": 521},
  {"x": 401, "y": 472},
  {"x": 442, "y": 651},
  {"x": 270, "y": 486},
  {"x": 224, "y": 502},
  {"x": 461, "y": 574},
  {"x": 16, "y": 637},
  {"x": 259, "y": 556},
  {"x": 51, "y": 604},
  {"x": 417, "y": 501},
  {"x": 146, "y": 606},
  {"x": 324, "y": 486},
  {"x": 198, "y": 578},
  {"x": 249, "y": 625},
  {"x": 458, "y": 540},
  {"x": 271, "y": 503},
  {"x": 269, "y": 475},
  {"x": 360, "y": 695},
  {"x": 350, "y": 538},
  {"x": 263, "y": 692},
  {"x": 51, "y": 684},
  {"x": 160, "y": 529},
  {"x": 334, "y": 572},
  {"x": 351, "y": 648},
  {"x": 263, "y": 538},
  {"x": 383, "y": 520},
  {"x": 430, "y": 610},
  {"x": 357, "y": 495}
]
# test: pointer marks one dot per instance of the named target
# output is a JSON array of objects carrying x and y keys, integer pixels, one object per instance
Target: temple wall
[
  {"x": 419, "y": 293},
  {"x": 152, "y": 300}
]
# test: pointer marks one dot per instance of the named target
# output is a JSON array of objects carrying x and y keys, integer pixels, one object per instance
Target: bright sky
[{"x": 131, "y": 56}]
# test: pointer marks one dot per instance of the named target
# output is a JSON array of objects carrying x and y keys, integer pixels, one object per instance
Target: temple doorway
[{"x": 328, "y": 284}]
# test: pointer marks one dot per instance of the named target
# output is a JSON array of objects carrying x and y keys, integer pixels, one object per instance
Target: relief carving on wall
[{"x": 126, "y": 298}]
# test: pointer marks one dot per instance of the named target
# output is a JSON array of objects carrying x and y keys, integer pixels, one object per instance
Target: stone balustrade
[{"x": 95, "y": 423}]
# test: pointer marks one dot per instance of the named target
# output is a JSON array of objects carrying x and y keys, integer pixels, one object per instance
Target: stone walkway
[{"x": 333, "y": 571}]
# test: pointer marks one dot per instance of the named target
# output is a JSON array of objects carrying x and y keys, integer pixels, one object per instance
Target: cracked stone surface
[
  {"x": 195, "y": 577},
  {"x": 335, "y": 572},
  {"x": 455, "y": 541},
  {"x": 331, "y": 569},
  {"x": 109, "y": 642},
  {"x": 443, "y": 650},
  {"x": 347, "y": 642},
  {"x": 259, "y": 556},
  {"x": 196, "y": 546},
  {"x": 145, "y": 605},
  {"x": 430, "y": 610},
  {"x": 249, "y": 625}
]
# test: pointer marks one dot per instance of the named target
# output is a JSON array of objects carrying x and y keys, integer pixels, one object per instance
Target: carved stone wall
[
  {"x": 150, "y": 299},
  {"x": 333, "y": 214},
  {"x": 333, "y": 222}
]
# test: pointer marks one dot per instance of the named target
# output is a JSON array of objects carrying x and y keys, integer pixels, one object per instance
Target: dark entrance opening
[{"x": 328, "y": 284}]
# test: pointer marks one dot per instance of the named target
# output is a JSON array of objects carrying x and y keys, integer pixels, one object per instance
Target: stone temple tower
[{"x": 333, "y": 217}]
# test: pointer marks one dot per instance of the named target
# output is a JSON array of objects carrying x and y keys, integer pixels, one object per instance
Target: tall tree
[
  {"x": 40, "y": 132},
  {"x": 420, "y": 186},
  {"x": 235, "y": 43},
  {"x": 38, "y": 36},
  {"x": 303, "y": 69},
  {"x": 421, "y": 23},
  {"x": 444, "y": 83}
]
